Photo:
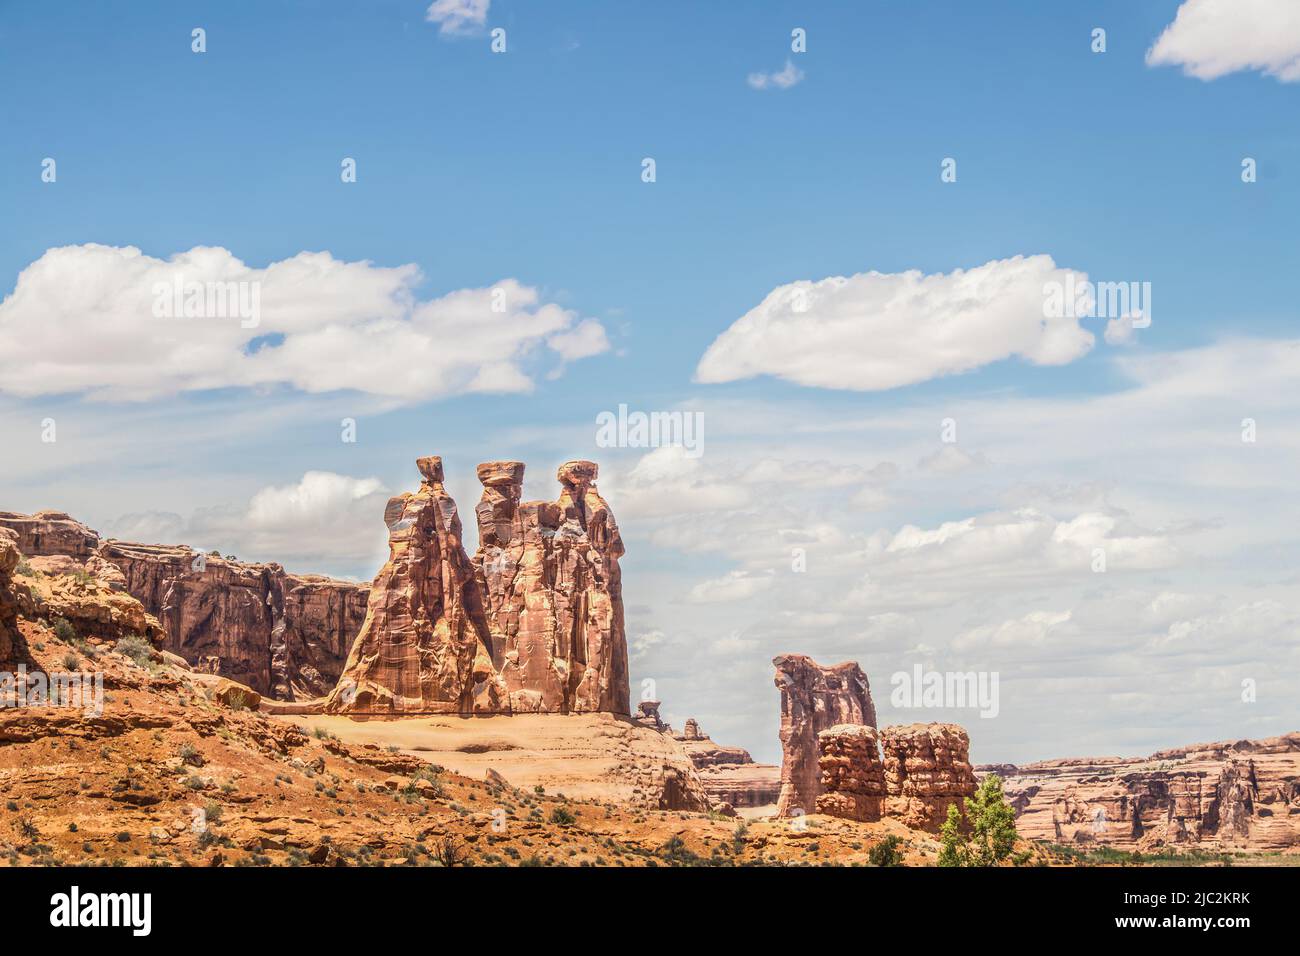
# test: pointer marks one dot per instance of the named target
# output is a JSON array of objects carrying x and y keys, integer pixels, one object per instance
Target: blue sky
[{"x": 477, "y": 167}]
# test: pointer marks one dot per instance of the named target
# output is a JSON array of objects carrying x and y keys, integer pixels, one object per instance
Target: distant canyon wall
[
  {"x": 284, "y": 635},
  {"x": 1242, "y": 794}
]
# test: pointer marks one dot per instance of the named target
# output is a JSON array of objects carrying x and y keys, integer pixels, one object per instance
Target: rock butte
[
  {"x": 814, "y": 698},
  {"x": 532, "y": 624}
]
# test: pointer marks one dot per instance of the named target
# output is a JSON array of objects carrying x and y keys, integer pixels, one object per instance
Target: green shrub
[
  {"x": 992, "y": 829},
  {"x": 886, "y": 852},
  {"x": 562, "y": 817},
  {"x": 64, "y": 630},
  {"x": 137, "y": 649}
]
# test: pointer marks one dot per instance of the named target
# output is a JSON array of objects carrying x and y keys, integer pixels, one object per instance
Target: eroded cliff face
[
  {"x": 814, "y": 698},
  {"x": 912, "y": 773},
  {"x": 1242, "y": 794},
  {"x": 532, "y": 624},
  {"x": 49, "y": 533},
  {"x": 853, "y": 778},
  {"x": 12, "y": 648},
  {"x": 284, "y": 635},
  {"x": 423, "y": 645},
  {"x": 927, "y": 769}
]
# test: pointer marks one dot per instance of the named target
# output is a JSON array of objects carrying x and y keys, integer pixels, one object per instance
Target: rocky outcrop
[
  {"x": 742, "y": 785},
  {"x": 284, "y": 635},
  {"x": 12, "y": 650},
  {"x": 424, "y": 646},
  {"x": 647, "y": 715},
  {"x": 912, "y": 773},
  {"x": 704, "y": 752},
  {"x": 813, "y": 699},
  {"x": 728, "y": 774},
  {"x": 552, "y": 592},
  {"x": 532, "y": 624},
  {"x": 48, "y": 533},
  {"x": 1242, "y": 794},
  {"x": 853, "y": 778},
  {"x": 927, "y": 769}
]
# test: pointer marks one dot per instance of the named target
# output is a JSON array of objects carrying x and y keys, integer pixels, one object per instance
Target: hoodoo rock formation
[
  {"x": 552, "y": 592},
  {"x": 423, "y": 647},
  {"x": 284, "y": 635},
  {"x": 813, "y": 699},
  {"x": 927, "y": 769},
  {"x": 532, "y": 624},
  {"x": 1242, "y": 794}
]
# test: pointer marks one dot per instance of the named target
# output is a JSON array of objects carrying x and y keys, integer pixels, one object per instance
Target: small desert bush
[
  {"x": 886, "y": 852},
  {"x": 560, "y": 816},
  {"x": 137, "y": 649}
]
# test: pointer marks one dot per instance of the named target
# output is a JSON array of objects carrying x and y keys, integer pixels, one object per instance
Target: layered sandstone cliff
[
  {"x": 927, "y": 769},
  {"x": 911, "y": 773},
  {"x": 814, "y": 698},
  {"x": 1242, "y": 794},
  {"x": 284, "y": 635},
  {"x": 532, "y": 624},
  {"x": 853, "y": 778},
  {"x": 49, "y": 533},
  {"x": 729, "y": 774}
]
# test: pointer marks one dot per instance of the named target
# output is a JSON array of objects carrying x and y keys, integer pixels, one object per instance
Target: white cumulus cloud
[
  {"x": 320, "y": 523},
  {"x": 781, "y": 79},
  {"x": 1212, "y": 38},
  {"x": 85, "y": 319},
  {"x": 875, "y": 331},
  {"x": 458, "y": 16}
]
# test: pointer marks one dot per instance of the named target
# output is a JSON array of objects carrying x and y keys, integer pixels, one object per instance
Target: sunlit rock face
[{"x": 533, "y": 623}]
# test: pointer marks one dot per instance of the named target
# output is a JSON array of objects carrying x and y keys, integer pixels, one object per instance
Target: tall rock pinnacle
[{"x": 532, "y": 624}]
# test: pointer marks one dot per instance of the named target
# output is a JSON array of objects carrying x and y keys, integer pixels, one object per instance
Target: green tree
[
  {"x": 993, "y": 824},
  {"x": 953, "y": 845},
  {"x": 990, "y": 831}
]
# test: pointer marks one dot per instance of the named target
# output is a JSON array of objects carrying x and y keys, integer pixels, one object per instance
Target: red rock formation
[
  {"x": 853, "y": 777},
  {"x": 552, "y": 592},
  {"x": 647, "y": 715},
  {"x": 423, "y": 647},
  {"x": 50, "y": 533},
  {"x": 813, "y": 699},
  {"x": 284, "y": 635},
  {"x": 533, "y": 624},
  {"x": 12, "y": 650},
  {"x": 927, "y": 769},
  {"x": 728, "y": 774},
  {"x": 1242, "y": 794}
]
